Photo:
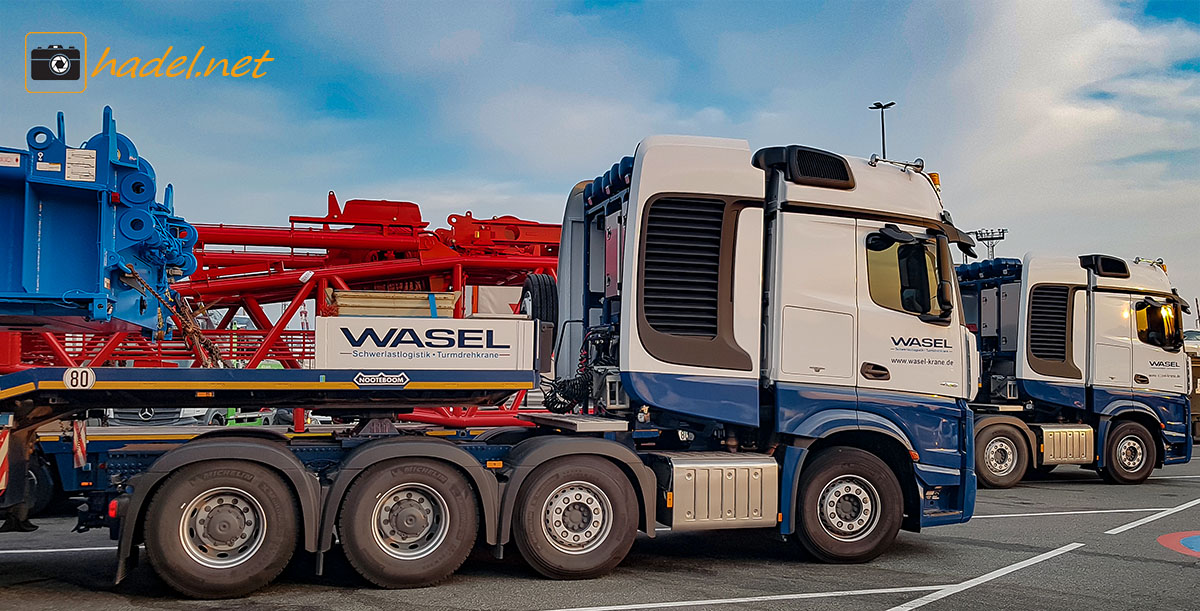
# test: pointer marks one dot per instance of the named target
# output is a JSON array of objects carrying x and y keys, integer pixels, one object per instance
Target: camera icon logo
[
  {"x": 58, "y": 62},
  {"x": 54, "y": 63}
]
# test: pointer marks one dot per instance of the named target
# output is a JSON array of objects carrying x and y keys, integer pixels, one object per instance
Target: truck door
[
  {"x": 906, "y": 341},
  {"x": 1112, "y": 352},
  {"x": 1159, "y": 362}
]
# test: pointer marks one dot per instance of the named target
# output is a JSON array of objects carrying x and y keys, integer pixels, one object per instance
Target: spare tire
[{"x": 539, "y": 298}]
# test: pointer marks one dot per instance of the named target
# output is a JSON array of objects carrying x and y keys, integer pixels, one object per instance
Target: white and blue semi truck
[
  {"x": 768, "y": 340},
  {"x": 1082, "y": 364}
]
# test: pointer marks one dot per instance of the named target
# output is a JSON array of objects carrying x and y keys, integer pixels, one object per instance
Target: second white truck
[{"x": 1082, "y": 364}]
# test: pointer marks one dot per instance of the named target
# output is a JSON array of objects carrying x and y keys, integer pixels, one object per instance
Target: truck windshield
[{"x": 1160, "y": 325}]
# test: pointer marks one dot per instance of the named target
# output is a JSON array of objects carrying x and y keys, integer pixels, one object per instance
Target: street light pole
[{"x": 882, "y": 108}]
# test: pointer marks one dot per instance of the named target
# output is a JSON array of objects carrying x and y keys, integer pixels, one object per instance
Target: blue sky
[{"x": 1074, "y": 124}]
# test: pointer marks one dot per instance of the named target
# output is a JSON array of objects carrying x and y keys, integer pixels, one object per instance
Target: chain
[{"x": 209, "y": 355}]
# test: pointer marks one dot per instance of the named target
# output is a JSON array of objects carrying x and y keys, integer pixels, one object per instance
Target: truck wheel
[
  {"x": 221, "y": 529},
  {"x": 539, "y": 298},
  {"x": 408, "y": 523},
  {"x": 577, "y": 518},
  {"x": 41, "y": 484},
  {"x": 850, "y": 506},
  {"x": 1001, "y": 457},
  {"x": 1130, "y": 454}
]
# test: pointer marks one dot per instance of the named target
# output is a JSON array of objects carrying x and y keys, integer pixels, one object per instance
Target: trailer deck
[{"x": 40, "y": 395}]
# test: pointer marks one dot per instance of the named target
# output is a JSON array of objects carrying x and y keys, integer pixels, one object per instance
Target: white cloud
[{"x": 1032, "y": 148}]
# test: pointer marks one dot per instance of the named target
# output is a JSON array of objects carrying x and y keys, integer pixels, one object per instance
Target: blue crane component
[{"x": 75, "y": 223}]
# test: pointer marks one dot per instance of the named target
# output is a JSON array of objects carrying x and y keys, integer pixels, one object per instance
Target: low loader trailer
[
  {"x": 1082, "y": 364},
  {"x": 768, "y": 340}
]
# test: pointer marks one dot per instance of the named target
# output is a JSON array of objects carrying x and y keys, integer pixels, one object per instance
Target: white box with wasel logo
[{"x": 354, "y": 342}]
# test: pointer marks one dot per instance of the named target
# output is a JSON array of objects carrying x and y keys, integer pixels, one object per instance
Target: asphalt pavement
[{"x": 1068, "y": 542}]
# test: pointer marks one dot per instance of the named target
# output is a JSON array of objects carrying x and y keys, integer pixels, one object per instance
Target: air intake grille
[
  {"x": 682, "y": 266},
  {"x": 1049, "y": 309},
  {"x": 822, "y": 165}
]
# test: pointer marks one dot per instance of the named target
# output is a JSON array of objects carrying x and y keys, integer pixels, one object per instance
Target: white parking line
[
  {"x": 1065, "y": 513},
  {"x": 753, "y": 599},
  {"x": 1148, "y": 519},
  {"x": 1176, "y": 477},
  {"x": 970, "y": 583},
  {"x": 57, "y": 550}
]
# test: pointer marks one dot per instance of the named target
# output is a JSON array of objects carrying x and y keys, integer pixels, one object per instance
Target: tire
[
  {"x": 42, "y": 486},
  {"x": 1001, "y": 456},
  {"x": 852, "y": 534},
  {"x": 599, "y": 498},
  {"x": 230, "y": 496},
  {"x": 1130, "y": 454},
  {"x": 431, "y": 499},
  {"x": 216, "y": 419},
  {"x": 539, "y": 298}
]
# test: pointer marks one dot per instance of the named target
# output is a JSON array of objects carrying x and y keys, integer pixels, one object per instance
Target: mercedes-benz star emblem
[{"x": 146, "y": 413}]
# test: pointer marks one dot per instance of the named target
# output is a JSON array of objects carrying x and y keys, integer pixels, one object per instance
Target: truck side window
[
  {"x": 1159, "y": 325},
  {"x": 903, "y": 277}
]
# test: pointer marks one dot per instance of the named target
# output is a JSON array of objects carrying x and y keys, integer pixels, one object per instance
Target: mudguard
[
  {"x": 251, "y": 448},
  {"x": 380, "y": 450}
]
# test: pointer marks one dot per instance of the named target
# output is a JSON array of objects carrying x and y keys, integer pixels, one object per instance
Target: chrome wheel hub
[
  {"x": 1131, "y": 453},
  {"x": 1001, "y": 456},
  {"x": 577, "y": 517},
  {"x": 410, "y": 521},
  {"x": 849, "y": 508},
  {"x": 222, "y": 527}
]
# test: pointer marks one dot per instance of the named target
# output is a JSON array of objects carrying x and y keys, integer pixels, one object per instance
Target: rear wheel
[
  {"x": 41, "y": 483},
  {"x": 408, "y": 523},
  {"x": 1129, "y": 454},
  {"x": 850, "y": 506},
  {"x": 1001, "y": 456},
  {"x": 577, "y": 518},
  {"x": 221, "y": 529}
]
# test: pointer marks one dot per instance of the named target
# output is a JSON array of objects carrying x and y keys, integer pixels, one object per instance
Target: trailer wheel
[
  {"x": 539, "y": 298},
  {"x": 850, "y": 506},
  {"x": 408, "y": 523},
  {"x": 221, "y": 529},
  {"x": 1130, "y": 452},
  {"x": 576, "y": 518},
  {"x": 41, "y": 484},
  {"x": 1001, "y": 456}
]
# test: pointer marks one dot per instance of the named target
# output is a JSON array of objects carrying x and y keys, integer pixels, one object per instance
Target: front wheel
[
  {"x": 221, "y": 529},
  {"x": 577, "y": 518},
  {"x": 1001, "y": 456},
  {"x": 850, "y": 506},
  {"x": 1129, "y": 454}
]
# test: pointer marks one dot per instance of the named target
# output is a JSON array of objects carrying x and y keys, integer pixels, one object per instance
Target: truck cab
[
  {"x": 800, "y": 311},
  {"x": 1083, "y": 363}
]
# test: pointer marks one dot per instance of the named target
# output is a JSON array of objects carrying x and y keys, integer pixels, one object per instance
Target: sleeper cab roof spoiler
[{"x": 808, "y": 166}]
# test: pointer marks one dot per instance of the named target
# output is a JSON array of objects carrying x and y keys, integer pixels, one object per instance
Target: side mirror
[{"x": 945, "y": 297}]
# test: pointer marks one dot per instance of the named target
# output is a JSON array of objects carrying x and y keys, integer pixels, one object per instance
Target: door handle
[
  {"x": 1140, "y": 379},
  {"x": 871, "y": 371}
]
